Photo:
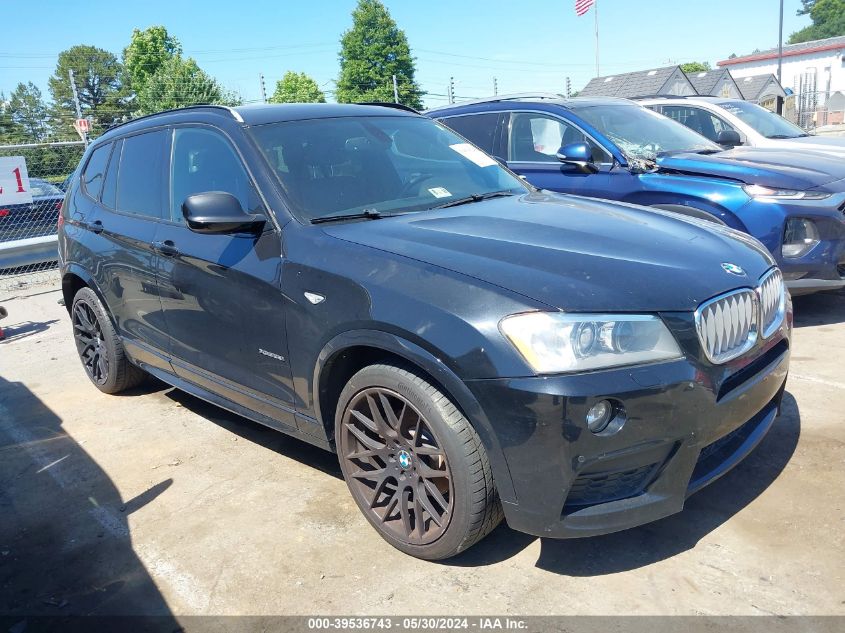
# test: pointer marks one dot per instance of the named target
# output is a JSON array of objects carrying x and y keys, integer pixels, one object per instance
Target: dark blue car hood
[
  {"x": 782, "y": 169},
  {"x": 573, "y": 253}
]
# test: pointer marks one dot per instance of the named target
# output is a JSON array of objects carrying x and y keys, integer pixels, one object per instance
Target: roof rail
[
  {"x": 660, "y": 96},
  {"x": 230, "y": 110},
  {"x": 508, "y": 97},
  {"x": 388, "y": 104}
]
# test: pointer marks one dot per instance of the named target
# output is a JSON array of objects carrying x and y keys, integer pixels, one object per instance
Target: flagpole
[{"x": 596, "y": 10}]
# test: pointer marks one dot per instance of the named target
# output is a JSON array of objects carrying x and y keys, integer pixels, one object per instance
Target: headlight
[
  {"x": 554, "y": 342},
  {"x": 767, "y": 193},
  {"x": 799, "y": 237}
]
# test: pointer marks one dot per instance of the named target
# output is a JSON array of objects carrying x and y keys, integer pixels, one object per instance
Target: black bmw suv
[{"x": 364, "y": 279}]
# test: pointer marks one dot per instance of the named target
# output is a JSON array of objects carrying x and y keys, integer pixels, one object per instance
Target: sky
[{"x": 527, "y": 45}]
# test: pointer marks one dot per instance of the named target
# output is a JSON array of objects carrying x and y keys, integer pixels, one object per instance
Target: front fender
[{"x": 440, "y": 373}]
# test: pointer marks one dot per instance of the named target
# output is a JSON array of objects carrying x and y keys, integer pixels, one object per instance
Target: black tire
[
  {"x": 474, "y": 503},
  {"x": 99, "y": 347}
]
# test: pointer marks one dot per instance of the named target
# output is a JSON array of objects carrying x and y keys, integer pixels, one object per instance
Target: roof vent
[
  {"x": 609, "y": 79},
  {"x": 749, "y": 78},
  {"x": 652, "y": 72},
  {"x": 700, "y": 75}
]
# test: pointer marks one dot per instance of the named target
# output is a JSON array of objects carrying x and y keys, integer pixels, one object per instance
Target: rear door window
[
  {"x": 92, "y": 177},
  {"x": 139, "y": 181},
  {"x": 480, "y": 129}
]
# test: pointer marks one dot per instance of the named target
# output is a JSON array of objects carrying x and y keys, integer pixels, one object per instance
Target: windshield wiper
[
  {"x": 366, "y": 214},
  {"x": 709, "y": 151},
  {"x": 476, "y": 197},
  {"x": 781, "y": 136}
]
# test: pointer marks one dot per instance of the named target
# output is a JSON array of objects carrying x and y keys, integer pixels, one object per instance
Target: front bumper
[
  {"x": 823, "y": 267},
  {"x": 688, "y": 423}
]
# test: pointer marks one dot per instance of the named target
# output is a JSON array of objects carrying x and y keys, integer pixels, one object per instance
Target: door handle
[
  {"x": 165, "y": 248},
  {"x": 95, "y": 227}
]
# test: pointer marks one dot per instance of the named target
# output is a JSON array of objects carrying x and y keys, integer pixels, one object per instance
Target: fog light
[
  {"x": 599, "y": 416},
  {"x": 799, "y": 237}
]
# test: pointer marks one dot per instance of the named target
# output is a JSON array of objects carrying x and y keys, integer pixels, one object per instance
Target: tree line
[{"x": 152, "y": 74}]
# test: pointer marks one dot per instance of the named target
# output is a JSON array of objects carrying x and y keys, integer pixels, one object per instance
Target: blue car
[{"x": 792, "y": 202}]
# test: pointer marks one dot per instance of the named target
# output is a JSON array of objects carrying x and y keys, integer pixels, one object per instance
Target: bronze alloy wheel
[{"x": 396, "y": 466}]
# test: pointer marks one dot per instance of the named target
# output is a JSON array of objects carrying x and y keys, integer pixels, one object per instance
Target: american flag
[{"x": 582, "y": 6}]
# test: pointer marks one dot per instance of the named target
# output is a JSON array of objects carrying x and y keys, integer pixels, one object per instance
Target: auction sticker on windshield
[
  {"x": 474, "y": 154},
  {"x": 14, "y": 181},
  {"x": 439, "y": 192}
]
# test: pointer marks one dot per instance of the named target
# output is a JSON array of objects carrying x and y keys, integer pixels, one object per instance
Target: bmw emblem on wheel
[
  {"x": 733, "y": 268},
  {"x": 404, "y": 460}
]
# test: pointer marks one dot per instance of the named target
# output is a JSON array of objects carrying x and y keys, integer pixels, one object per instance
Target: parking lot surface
[{"x": 158, "y": 503}]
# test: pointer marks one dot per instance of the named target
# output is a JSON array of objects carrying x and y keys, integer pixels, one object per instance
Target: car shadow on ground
[
  {"x": 648, "y": 544},
  {"x": 65, "y": 544},
  {"x": 823, "y": 308}
]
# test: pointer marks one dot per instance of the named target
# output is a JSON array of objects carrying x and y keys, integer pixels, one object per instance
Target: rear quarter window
[{"x": 95, "y": 169}]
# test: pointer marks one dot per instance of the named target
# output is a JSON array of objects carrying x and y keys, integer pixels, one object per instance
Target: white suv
[{"x": 719, "y": 118}]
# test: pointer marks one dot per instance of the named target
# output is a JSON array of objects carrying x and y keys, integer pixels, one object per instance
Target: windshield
[
  {"x": 764, "y": 121},
  {"x": 44, "y": 188},
  {"x": 640, "y": 132},
  {"x": 378, "y": 165}
]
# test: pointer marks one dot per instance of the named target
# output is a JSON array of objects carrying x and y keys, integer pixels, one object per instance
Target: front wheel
[{"x": 413, "y": 463}]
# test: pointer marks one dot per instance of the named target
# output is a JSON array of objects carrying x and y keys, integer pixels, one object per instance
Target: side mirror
[
  {"x": 219, "y": 212},
  {"x": 578, "y": 154},
  {"x": 728, "y": 138}
]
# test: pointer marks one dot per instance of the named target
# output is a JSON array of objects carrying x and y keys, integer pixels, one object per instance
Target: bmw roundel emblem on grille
[
  {"x": 404, "y": 460},
  {"x": 733, "y": 268}
]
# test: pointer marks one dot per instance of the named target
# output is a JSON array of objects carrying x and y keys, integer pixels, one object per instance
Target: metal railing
[{"x": 28, "y": 247}]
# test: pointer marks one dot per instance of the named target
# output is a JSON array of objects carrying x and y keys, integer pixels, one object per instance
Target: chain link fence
[
  {"x": 28, "y": 247},
  {"x": 821, "y": 112}
]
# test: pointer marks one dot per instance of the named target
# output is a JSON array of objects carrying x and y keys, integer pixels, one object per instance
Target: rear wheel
[
  {"x": 99, "y": 346},
  {"x": 413, "y": 463}
]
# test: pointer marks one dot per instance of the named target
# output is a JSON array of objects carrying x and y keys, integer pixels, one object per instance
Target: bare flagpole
[{"x": 596, "y": 11}]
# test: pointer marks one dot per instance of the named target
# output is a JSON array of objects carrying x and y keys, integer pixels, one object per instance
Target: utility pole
[
  {"x": 779, "y": 100},
  {"x": 495, "y": 87},
  {"x": 395, "y": 90},
  {"x": 263, "y": 89},
  {"x": 451, "y": 90},
  {"x": 596, "y": 12},
  {"x": 76, "y": 103},
  {"x": 568, "y": 88}
]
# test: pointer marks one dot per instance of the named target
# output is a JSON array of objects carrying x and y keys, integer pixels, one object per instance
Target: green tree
[
  {"x": 806, "y": 7},
  {"x": 297, "y": 88},
  {"x": 28, "y": 114},
  {"x": 6, "y": 126},
  {"x": 828, "y": 18},
  {"x": 372, "y": 51},
  {"x": 696, "y": 67},
  {"x": 147, "y": 52},
  {"x": 99, "y": 82},
  {"x": 178, "y": 83}
]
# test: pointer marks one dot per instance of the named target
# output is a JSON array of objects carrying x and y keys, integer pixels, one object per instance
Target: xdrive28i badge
[{"x": 733, "y": 269}]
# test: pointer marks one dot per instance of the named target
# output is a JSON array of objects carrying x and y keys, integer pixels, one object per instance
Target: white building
[{"x": 813, "y": 71}]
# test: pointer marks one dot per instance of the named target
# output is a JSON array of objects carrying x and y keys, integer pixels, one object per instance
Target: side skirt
[{"x": 228, "y": 405}]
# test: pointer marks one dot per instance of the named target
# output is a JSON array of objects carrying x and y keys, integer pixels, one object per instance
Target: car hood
[
  {"x": 830, "y": 145},
  {"x": 776, "y": 168},
  {"x": 573, "y": 253}
]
